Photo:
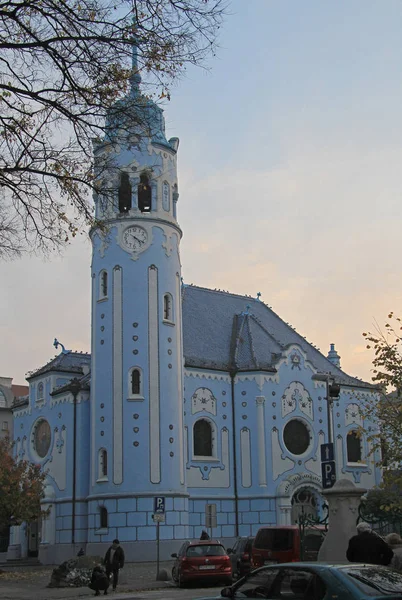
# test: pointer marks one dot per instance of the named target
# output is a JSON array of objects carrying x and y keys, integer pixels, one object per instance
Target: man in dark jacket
[
  {"x": 114, "y": 560},
  {"x": 368, "y": 547}
]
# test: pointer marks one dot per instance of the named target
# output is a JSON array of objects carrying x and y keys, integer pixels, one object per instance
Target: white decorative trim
[
  {"x": 117, "y": 375},
  {"x": 93, "y": 380},
  {"x": 262, "y": 462},
  {"x": 258, "y": 378},
  {"x": 211, "y": 375},
  {"x": 179, "y": 375},
  {"x": 153, "y": 362},
  {"x": 245, "y": 457},
  {"x": 22, "y": 412},
  {"x": 287, "y": 358}
]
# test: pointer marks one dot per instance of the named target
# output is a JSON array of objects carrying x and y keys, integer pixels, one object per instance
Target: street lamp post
[
  {"x": 333, "y": 391},
  {"x": 75, "y": 387}
]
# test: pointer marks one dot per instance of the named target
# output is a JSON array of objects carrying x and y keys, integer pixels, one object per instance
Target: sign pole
[{"x": 157, "y": 549}]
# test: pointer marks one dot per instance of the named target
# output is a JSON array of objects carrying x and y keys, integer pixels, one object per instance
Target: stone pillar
[{"x": 343, "y": 503}]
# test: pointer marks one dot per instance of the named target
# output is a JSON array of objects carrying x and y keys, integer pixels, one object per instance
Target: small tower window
[
  {"x": 135, "y": 381},
  {"x": 144, "y": 194},
  {"x": 124, "y": 193},
  {"x": 102, "y": 463},
  {"x": 135, "y": 384},
  {"x": 40, "y": 392},
  {"x": 103, "y": 285},
  {"x": 103, "y": 517},
  {"x": 354, "y": 448},
  {"x": 168, "y": 307},
  {"x": 203, "y": 438}
]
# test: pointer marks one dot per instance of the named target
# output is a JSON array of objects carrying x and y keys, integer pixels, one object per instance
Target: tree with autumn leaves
[
  {"x": 386, "y": 412},
  {"x": 22, "y": 487},
  {"x": 63, "y": 64}
]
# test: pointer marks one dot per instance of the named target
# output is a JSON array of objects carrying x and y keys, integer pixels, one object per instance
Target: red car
[{"x": 203, "y": 560}]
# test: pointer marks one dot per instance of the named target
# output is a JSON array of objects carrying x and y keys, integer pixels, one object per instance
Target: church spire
[{"x": 135, "y": 77}]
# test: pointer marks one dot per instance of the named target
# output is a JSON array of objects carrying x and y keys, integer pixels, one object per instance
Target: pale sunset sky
[{"x": 290, "y": 180}]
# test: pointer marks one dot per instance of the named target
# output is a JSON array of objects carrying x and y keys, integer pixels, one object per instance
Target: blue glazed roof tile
[{"x": 232, "y": 332}]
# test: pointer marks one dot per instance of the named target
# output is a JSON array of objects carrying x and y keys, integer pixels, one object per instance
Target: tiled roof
[
  {"x": 19, "y": 390},
  {"x": 69, "y": 362},
  {"x": 231, "y": 332}
]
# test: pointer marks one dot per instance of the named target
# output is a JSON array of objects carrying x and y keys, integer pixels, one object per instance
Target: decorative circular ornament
[
  {"x": 136, "y": 429},
  {"x": 296, "y": 437},
  {"x": 135, "y": 324},
  {"x": 136, "y": 416},
  {"x": 134, "y": 238},
  {"x": 42, "y": 438},
  {"x": 224, "y": 393},
  {"x": 170, "y": 426}
]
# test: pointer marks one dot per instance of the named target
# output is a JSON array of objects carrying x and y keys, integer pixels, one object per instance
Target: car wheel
[
  {"x": 180, "y": 582},
  {"x": 174, "y": 575}
]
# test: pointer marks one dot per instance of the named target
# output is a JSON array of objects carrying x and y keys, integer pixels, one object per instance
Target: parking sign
[{"x": 159, "y": 505}]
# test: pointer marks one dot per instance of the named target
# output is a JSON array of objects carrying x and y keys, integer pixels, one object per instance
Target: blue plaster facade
[{"x": 166, "y": 356}]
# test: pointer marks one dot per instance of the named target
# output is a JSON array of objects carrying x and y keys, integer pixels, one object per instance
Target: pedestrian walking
[
  {"x": 394, "y": 541},
  {"x": 99, "y": 581},
  {"x": 114, "y": 560},
  {"x": 204, "y": 535},
  {"x": 368, "y": 547}
]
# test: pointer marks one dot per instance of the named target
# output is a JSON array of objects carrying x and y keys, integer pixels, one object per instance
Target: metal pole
[
  {"x": 329, "y": 415},
  {"x": 157, "y": 550},
  {"x": 74, "y": 465}
]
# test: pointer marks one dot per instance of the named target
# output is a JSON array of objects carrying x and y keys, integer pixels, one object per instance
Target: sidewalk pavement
[{"x": 30, "y": 583}]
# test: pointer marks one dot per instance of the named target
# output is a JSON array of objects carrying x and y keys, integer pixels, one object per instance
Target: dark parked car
[
  {"x": 317, "y": 581},
  {"x": 201, "y": 561},
  {"x": 240, "y": 556}
]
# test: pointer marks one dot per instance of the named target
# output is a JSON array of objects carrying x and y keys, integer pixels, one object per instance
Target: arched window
[
  {"x": 354, "y": 448},
  {"x": 144, "y": 194},
  {"x": 135, "y": 385},
  {"x": 102, "y": 463},
  {"x": 3, "y": 403},
  {"x": 135, "y": 381},
  {"x": 167, "y": 307},
  {"x": 166, "y": 196},
  {"x": 103, "y": 284},
  {"x": 103, "y": 517},
  {"x": 203, "y": 438},
  {"x": 40, "y": 392},
  {"x": 124, "y": 193}
]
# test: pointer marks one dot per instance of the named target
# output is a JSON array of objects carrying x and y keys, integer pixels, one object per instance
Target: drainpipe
[
  {"x": 75, "y": 387},
  {"x": 236, "y": 499}
]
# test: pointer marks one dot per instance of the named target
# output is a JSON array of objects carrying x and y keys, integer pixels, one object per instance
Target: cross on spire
[{"x": 135, "y": 77}]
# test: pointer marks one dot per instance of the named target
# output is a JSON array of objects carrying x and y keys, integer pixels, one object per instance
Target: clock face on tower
[{"x": 134, "y": 238}]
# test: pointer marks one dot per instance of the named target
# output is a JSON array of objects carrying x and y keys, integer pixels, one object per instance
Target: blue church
[{"x": 201, "y": 397}]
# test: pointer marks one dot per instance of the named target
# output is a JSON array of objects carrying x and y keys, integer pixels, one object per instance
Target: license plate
[{"x": 206, "y": 567}]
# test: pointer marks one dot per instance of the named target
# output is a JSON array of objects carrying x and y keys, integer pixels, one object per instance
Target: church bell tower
[{"x": 137, "y": 450}]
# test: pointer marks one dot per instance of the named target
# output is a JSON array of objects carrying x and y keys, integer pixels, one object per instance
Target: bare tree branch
[{"x": 63, "y": 65}]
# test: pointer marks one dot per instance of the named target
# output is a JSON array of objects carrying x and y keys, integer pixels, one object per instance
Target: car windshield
[
  {"x": 373, "y": 579},
  {"x": 274, "y": 539},
  {"x": 206, "y": 550}
]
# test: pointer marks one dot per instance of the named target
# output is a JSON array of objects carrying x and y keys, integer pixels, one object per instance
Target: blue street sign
[
  {"x": 328, "y": 474},
  {"x": 327, "y": 452},
  {"x": 159, "y": 505}
]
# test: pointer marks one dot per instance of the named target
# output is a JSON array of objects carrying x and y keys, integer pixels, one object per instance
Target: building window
[
  {"x": 203, "y": 438},
  {"x": 354, "y": 448},
  {"x": 102, "y": 463},
  {"x": 40, "y": 392},
  {"x": 103, "y": 517},
  {"x": 5, "y": 426},
  {"x": 3, "y": 403},
  {"x": 135, "y": 385},
  {"x": 103, "y": 285},
  {"x": 124, "y": 193},
  {"x": 166, "y": 196},
  {"x": 168, "y": 307},
  {"x": 296, "y": 437},
  {"x": 144, "y": 194},
  {"x": 135, "y": 382}
]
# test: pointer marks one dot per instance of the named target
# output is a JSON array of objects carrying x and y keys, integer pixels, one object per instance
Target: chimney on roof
[{"x": 334, "y": 357}]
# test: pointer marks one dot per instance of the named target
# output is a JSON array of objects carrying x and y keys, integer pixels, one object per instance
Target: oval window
[
  {"x": 42, "y": 438},
  {"x": 296, "y": 437}
]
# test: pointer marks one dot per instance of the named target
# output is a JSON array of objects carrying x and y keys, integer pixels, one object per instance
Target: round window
[
  {"x": 296, "y": 437},
  {"x": 42, "y": 438}
]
